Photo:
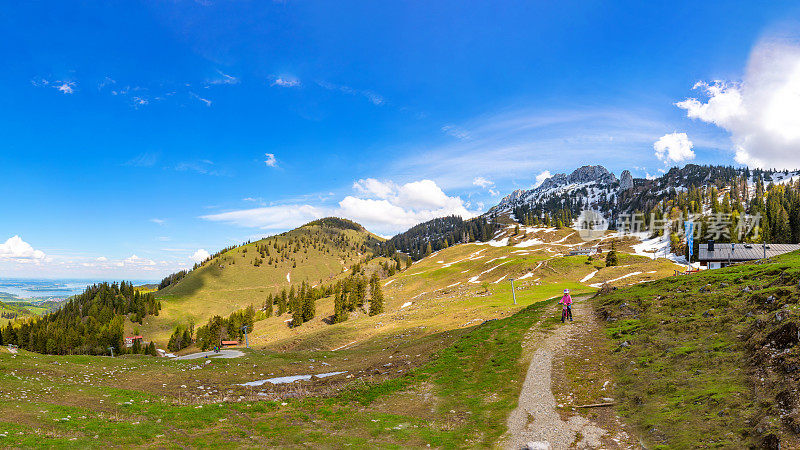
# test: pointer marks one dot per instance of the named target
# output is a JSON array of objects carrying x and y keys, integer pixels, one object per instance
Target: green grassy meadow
[{"x": 694, "y": 356}]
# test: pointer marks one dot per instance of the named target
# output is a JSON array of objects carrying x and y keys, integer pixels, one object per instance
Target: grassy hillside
[
  {"x": 457, "y": 398},
  {"x": 317, "y": 253},
  {"x": 710, "y": 359},
  {"x": 17, "y": 310},
  {"x": 433, "y": 369},
  {"x": 463, "y": 285}
]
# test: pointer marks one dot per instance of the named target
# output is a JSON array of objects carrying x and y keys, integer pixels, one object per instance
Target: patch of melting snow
[
  {"x": 475, "y": 278},
  {"x": 527, "y": 275},
  {"x": 406, "y": 305},
  {"x": 495, "y": 259},
  {"x": 290, "y": 379},
  {"x": 529, "y": 243},
  {"x": 390, "y": 282},
  {"x": 288, "y": 277},
  {"x": 501, "y": 279},
  {"x": 454, "y": 284},
  {"x": 588, "y": 277},
  {"x": 597, "y": 285}
]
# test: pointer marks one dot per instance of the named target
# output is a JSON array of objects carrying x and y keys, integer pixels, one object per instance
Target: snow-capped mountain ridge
[{"x": 596, "y": 188}]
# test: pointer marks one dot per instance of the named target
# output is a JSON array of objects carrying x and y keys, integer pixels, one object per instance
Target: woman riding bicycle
[{"x": 566, "y": 312}]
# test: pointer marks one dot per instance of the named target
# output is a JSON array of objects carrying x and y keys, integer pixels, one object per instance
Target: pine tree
[
  {"x": 376, "y": 296},
  {"x": 339, "y": 309},
  {"x": 309, "y": 307},
  {"x": 268, "y": 306}
]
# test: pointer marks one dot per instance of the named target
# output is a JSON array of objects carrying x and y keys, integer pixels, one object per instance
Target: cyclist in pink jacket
[{"x": 566, "y": 312}]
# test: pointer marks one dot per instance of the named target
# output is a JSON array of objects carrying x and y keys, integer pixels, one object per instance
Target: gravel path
[
  {"x": 536, "y": 423},
  {"x": 224, "y": 354}
]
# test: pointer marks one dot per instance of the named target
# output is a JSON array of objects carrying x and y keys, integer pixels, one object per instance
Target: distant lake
[{"x": 31, "y": 289}]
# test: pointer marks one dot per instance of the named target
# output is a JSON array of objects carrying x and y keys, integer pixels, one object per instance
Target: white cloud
[
  {"x": 482, "y": 182},
  {"x": 269, "y": 217},
  {"x": 203, "y": 166},
  {"x": 456, "y": 132},
  {"x": 382, "y": 206},
  {"x": 157, "y": 221},
  {"x": 424, "y": 194},
  {"x": 200, "y": 255},
  {"x": 204, "y": 100},
  {"x": 285, "y": 81},
  {"x": 224, "y": 78},
  {"x": 762, "y": 112},
  {"x": 403, "y": 207},
  {"x": 270, "y": 161},
  {"x": 101, "y": 259},
  {"x": 517, "y": 143},
  {"x": 371, "y": 186},
  {"x": 134, "y": 260},
  {"x": 16, "y": 248},
  {"x": 674, "y": 147},
  {"x": 66, "y": 87},
  {"x": 373, "y": 97},
  {"x": 542, "y": 177}
]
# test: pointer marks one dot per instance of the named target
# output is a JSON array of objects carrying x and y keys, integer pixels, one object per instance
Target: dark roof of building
[{"x": 743, "y": 252}]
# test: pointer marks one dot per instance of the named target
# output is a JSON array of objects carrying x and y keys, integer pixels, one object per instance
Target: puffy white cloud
[
  {"x": 482, "y": 182},
  {"x": 270, "y": 161},
  {"x": 16, "y": 248},
  {"x": 157, "y": 221},
  {"x": 382, "y": 206},
  {"x": 200, "y": 255},
  {"x": 674, "y": 147},
  {"x": 101, "y": 259},
  {"x": 723, "y": 107},
  {"x": 762, "y": 112},
  {"x": 269, "y": 217},
  {"x": 424, "y": 194},
  {"x": 541, "y": 177},
  {"x": 399, "y": 207},
  {"x": 371, "y": 186}
]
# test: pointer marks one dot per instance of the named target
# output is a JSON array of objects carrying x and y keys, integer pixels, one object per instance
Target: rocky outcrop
[
  {"x": 588, "y": 174},
  {"x": 625, "y": 180}
]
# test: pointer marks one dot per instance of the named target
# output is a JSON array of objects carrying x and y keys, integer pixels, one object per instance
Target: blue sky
[{"x": 137, "y": 135}]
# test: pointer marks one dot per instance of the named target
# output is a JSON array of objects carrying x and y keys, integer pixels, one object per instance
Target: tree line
[
  {"x": 89, "y": 323},
  {"x": 437, "y": 234}
]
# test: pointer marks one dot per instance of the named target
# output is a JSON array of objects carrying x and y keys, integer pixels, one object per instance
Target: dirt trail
[{"x": 536, "y": 423}]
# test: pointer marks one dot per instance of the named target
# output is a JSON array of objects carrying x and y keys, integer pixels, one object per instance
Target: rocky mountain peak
[{"x": 588, "y": 174}]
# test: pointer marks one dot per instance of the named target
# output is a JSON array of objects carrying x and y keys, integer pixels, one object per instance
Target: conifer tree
[
  {"x": 376, "y": 296},
  {"x": 297, "y": 316}
]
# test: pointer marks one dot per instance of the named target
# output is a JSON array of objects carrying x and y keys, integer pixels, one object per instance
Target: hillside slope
[
  {"x": 464, "y": 285},
  {"x": 711, "y": 359},
  {"x": 317, "y": 252}
]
